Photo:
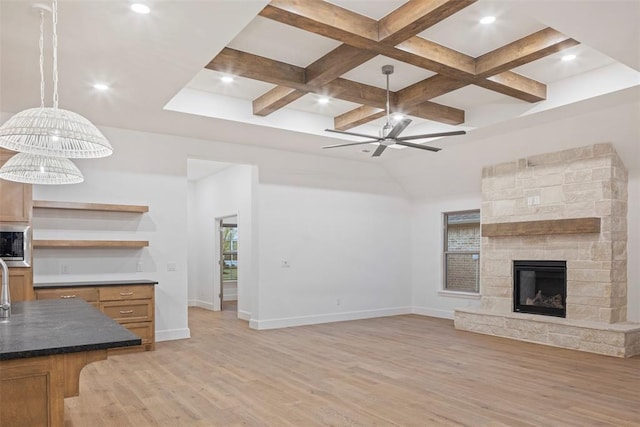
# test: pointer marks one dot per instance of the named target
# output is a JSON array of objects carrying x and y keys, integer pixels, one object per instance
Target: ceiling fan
[{"x": 390, "y": 135}]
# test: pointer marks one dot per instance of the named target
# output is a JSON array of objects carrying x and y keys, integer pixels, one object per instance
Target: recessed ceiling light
[
  {"x": 569, "y": 57},
  {"x": 227, "y": 79},
  {"x": 323, "y": 100},
  {"x": 100, "y": 86},
  {"x": 488, "y": 20},
  {"x": 140, "y": 8}
]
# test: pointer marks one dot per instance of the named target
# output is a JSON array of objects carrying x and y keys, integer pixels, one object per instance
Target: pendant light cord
[
  {"x": 55, "y": 53},
  {"x": 41, "y": 43}
]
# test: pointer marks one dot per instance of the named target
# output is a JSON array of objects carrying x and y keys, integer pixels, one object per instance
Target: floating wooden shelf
[
  {"x": 90, "y": 243},
  {"x": 104, "y": 207},
  {"x": 545, "y": 227}
]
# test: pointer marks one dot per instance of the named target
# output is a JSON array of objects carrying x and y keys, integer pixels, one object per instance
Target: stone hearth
[{"x": 587, "y": 183}]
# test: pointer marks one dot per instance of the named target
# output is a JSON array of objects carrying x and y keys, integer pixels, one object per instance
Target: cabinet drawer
[
  {"x": 142, "y": 329},
  {"x": 119, "y": 293},
  {"x": 128, "y": 311},
  {"x": 87, "y": 294}
]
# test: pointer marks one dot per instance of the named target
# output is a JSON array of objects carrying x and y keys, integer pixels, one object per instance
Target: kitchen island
[{"x": 43, "y": 347}]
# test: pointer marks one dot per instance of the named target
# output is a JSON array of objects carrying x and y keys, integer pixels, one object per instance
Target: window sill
[{"x": 454, "y": 294}]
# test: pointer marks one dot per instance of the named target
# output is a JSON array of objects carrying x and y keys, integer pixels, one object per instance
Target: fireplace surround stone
[{"x": 582, "y": 184}]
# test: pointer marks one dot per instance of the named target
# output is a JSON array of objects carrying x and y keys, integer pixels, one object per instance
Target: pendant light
[
  {"x": 53, "y": 131},
  {"x": 36, "y": 169}
]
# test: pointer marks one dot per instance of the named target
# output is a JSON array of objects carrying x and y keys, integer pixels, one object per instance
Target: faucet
[{"x": 5, "y": 300}]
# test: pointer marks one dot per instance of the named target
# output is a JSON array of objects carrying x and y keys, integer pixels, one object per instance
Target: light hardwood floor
[{"x": 396, "y": 371}]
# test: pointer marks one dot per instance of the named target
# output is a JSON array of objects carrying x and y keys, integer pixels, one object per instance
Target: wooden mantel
[{"x": 544, "y": 227}]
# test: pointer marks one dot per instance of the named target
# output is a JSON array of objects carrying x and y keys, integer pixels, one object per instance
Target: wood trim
[
  {"x": 545, "y": 227},
  {"x": 522, "y": 51},
  {"x": 73, "y": 364},
  {"x": 90, "y": 243},
  {"x": 415, "y": 16},
  {"x": 104, "y": 207}
]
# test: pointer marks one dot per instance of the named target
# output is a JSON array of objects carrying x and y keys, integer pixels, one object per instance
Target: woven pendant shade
[
  {"x": 53, "y": 132},
  {"x": 36, "y": 169}
]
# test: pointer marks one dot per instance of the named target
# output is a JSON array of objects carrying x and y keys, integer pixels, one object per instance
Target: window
[
  {"x": 462, "y": 251},
  {"x": 229, "y": 252}
]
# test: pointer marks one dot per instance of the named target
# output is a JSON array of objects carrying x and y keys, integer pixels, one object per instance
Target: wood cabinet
[
  {"x": 132, "y": 306},
  {"x": 33, "y": 389},
  {"x": 20, "y": 284},
  {"x": 15, "y": 198}
]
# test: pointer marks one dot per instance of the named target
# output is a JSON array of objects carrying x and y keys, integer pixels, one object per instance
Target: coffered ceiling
[{"x": 451, "y": 72}]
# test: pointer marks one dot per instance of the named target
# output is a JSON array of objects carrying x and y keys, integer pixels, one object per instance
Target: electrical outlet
[
  {"x": 338, "y": 301},
  {"x": 64, "y": 269},
  {"x": 171, "y": 266},
  {"x": 139, "y": 266}
]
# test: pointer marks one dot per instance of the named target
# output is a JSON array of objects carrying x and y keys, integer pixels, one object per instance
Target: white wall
[
  {"x": 427, "y": 254},
  {"x": 322, "y": 199},
  {"x": 130, "y": 176},
  {"x": 347, "y": 256},
  {"x": 223, "y": 194},
  {"x": 150, "y": 169}
]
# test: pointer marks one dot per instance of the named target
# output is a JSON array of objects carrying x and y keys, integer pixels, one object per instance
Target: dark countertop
[
  {"x": 94, "y": 283},
  {"x": 46, "y": 327}
]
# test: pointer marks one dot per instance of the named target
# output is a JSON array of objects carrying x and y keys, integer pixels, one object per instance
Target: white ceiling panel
[
  {"x": 464, "y": 32},
  {"x": 284, "y": 43}
]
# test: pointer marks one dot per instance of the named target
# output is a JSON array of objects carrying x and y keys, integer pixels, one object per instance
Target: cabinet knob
[{"x": 67, "y": 296}]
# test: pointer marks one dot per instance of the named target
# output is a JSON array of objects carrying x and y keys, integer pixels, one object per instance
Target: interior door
[{"x": 221, "y": 262}]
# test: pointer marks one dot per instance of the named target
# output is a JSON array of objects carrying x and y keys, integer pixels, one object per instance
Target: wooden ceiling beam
[
  {"x": 328, "y": 68},
  {"x": 427, "y": 89},
  {"x": 340, "y": 60},
  {"x": 268, "y": 70},
  {"x": 414, "y": 17},
  {"x": 243, "y": 64},
  {"x": 438, "y": 113},
  {"x": 516, "y": 86},
  {"x": 405, "y": 22},
  {"x": 326, "y": 19},
  {"x": 522, "y": 51},
  {"x": 357, "y": 116},
  {"x": 393, "y": 36},
  {"x": 276, "y": 98}
]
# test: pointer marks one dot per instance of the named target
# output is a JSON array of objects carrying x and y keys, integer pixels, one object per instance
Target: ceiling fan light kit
[
  {"x": 390, "y": 134},
  {"x": 46, "y": 137}
]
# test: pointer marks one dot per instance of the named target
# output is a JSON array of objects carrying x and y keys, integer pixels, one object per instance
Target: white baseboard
[
  {"x": 201, "y": 304},
  {"x": 433, "y": 312},
  {"x": 173, "y": 334},
  {"x": 326, "y": 318},
  {"x": 244, "y": 315}
]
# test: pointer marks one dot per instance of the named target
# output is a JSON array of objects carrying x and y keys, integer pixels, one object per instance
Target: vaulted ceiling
[{"x": 450, "y": 71}]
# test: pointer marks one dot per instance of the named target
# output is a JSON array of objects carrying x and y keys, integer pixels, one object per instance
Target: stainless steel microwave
[{"x": 15, "y": 244}]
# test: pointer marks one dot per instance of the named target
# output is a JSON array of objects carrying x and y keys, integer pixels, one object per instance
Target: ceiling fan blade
[
  {"x": 349, "y": 144},
  {"x": 398, "y": 128},
  {"x": 420, "y": 146},
  {"x": 379, "y": 150},
  {"x": 431, "y": 135},
  {"x": 352, "y": 134}
]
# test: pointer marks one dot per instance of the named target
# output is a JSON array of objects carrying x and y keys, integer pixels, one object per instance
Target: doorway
[{"x": 228, "y": 262}]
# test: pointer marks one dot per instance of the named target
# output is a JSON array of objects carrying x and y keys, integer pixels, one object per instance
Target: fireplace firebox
[{"x": 540, "y": 287}]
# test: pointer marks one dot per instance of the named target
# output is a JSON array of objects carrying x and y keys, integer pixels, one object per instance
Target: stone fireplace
[{"x": 566, "y": 208}]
